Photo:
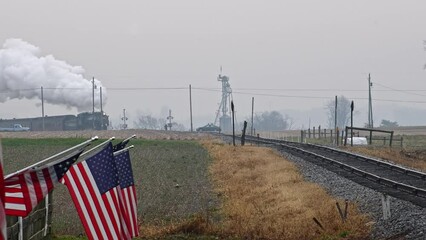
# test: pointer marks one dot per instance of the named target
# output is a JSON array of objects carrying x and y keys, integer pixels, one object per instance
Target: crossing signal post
[
  {"x": 124, "y": 118},
  {"x": 170, "y": 118},
  {"x": 233, "y": 123}
]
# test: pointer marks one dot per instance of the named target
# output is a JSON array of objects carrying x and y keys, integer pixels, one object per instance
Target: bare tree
[
  {"x": 388, "y": 124},
  {"x": 178, "y": 126},
  {"x": 343, "y": 112},
  {"x": 271, "y": 121},
  {"x": 147, "y": 122}
]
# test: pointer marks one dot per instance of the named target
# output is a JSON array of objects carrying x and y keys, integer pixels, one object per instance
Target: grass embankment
[
  {"x": 410, "y": 158},
  {"x": 265, "y": 197}
]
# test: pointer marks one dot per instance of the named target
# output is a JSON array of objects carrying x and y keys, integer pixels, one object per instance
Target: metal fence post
[
  {"x": 258, "y": 139},
  {"x": 319, "y": 131},
  {"x": 346, "y": 137},
  {"x": 386, "y": 206},
  {"x": 371, "y": 137},
  {"x": 337, "y": 136}
]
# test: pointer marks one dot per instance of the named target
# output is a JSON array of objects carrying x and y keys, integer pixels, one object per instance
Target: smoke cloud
[{"x": 23, "y": 71}]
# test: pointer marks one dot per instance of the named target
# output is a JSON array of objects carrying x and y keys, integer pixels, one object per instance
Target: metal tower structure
[{"x": 222, "y": 113}]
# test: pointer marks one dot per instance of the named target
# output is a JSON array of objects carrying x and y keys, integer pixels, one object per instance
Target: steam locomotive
[{"x": 81, "y": 121}]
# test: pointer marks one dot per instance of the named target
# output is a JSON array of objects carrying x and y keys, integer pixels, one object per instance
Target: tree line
[{"x": 269, "y": 120}]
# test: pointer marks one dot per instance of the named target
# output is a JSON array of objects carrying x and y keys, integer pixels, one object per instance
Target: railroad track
[{"x": 384, "y": 177}]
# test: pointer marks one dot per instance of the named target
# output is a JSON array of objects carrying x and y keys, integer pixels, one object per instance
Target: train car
[
  {"x": 83, "y": 121},
  {"x": 97, "y": 121},
  {"x": 51, "y": 123}
]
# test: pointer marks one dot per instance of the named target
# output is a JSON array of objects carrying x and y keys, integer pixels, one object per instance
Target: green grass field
[{"x": 171, "y": 179}]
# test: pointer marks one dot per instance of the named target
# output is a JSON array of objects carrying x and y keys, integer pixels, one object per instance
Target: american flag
[
  {"x": 128, "y": 191},
  {"x": 26, "y": 189},
  {"x": 119, "y": 146},
  {"x": 94, "y": 187},
  {"x": 2, "y": 213}
]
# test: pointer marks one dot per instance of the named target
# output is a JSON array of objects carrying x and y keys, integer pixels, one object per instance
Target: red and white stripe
[
  {"x": 130, "y": 209},
  {"x": 3, "y": 235},
  {"x": 24, "y": 191},
  {"x": 100, "y": 213}
]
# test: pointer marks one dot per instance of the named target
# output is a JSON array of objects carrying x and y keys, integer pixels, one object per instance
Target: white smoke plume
[{"x": 23, "y": 71}]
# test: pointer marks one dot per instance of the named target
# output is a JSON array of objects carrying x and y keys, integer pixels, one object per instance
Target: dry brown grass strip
[
  {"x": 265, "y": 197},
  {"x": 414, "y": 159},
  {"x": 197, "y": 225}
]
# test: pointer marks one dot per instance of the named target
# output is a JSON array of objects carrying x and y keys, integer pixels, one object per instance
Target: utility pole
[
  {"x": 335, "y": 121},
  {"x": 124, "y": 118},
  {"x": 42, "y": 108},
  {"x": 190, "y": 105},
  {"x": 370, "y": 104},
  {"x": 170, "y": 119},
  {"x": 252, "y": 112},
  {"x": 102, "y": 112},
  {"x": 352, "y": 123},
  {"x": 335, "y": 113},
  {"x": 93, "y": 102}
]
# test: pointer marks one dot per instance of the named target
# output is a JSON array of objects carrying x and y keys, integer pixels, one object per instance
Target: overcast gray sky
[{"x": 294, "y": 49}]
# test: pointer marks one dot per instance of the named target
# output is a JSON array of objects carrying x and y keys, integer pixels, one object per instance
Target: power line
[
  {"x": 303, "y": 89},
  {"x": 313, "y": 89},
  {"x": 397, "y": 101},
  {"x": 146, "y": 88},
  {"x": 237, "y": 92},
  {"x": 313, "y": 97},
  {"x": 322, "y": 97},
  {"x": 389, "y": 89},
  {"x": 20, "y": 90},
  {"x": 398, "y": 90}
]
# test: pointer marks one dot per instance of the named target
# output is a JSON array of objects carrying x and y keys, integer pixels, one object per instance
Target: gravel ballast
[{"x": 407, "y": 221}]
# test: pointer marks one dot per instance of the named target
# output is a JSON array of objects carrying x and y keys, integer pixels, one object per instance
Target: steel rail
[
  {"x": 394, "y": 167},
  {"x": 416, "y": 192},
  {"x": 381, "y": 180}
]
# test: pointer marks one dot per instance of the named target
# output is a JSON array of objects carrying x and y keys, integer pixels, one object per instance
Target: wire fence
[
  {"x": 317, "y": 135},
  {"x": 36, "y": 226}
]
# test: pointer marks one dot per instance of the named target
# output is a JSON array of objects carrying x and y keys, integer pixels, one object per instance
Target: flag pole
[
  {"x": 123, "y": 150},
  {"x": 21, "y": 228},
  {"x": 97, "y": 146},
  {"x": 46, "y": 222},
  {"x": 54, "y": 156},
  {"x": 127, "y": 139}
]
